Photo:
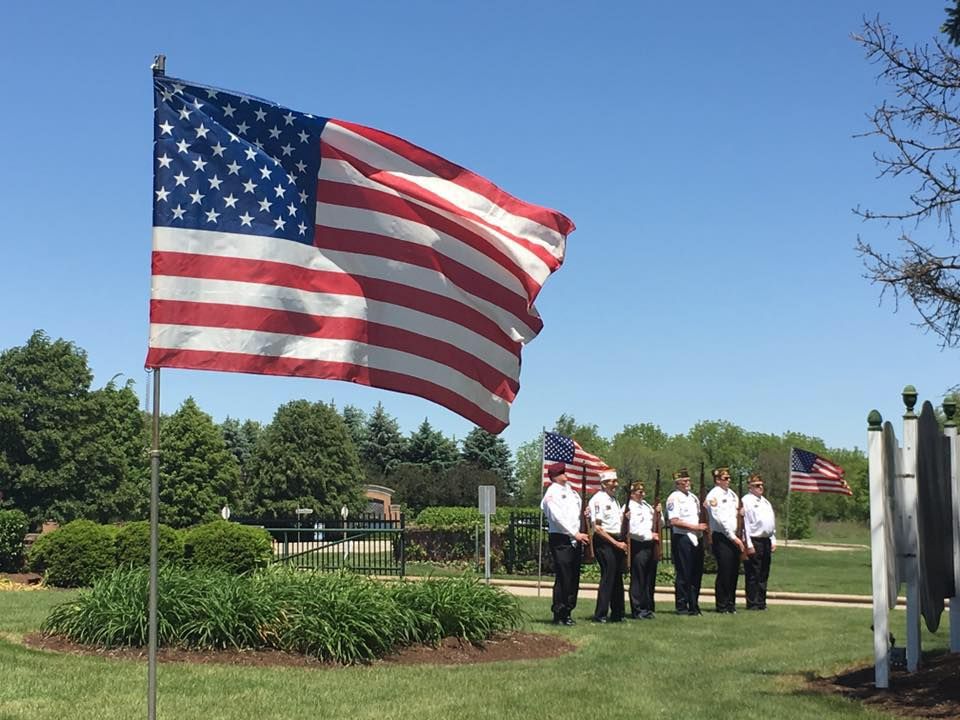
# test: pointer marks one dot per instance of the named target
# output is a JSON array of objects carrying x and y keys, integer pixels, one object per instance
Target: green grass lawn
[
  {"x": 840, "y": 532},
  {"x": 742, "y": 666}
]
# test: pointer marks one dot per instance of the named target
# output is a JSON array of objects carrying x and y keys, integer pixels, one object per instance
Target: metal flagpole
[
  {"x": 786, "y": 539},
  {"x": 159, "y": 69},
  {"x": 154, "y": 552},
  {"x": 543, "y": 461}
]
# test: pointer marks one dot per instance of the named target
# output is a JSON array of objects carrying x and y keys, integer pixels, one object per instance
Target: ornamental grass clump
[{"x": 337, "y": 617}]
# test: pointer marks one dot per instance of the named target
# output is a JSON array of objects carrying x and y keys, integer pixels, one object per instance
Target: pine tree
[
  {"x": 489, "y": 452},
  {"x": 383, "y": 446},
  {"x": 431, "y": 448}
]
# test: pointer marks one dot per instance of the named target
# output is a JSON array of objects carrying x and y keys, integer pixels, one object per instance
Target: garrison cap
[
  {"x": 681, "y": 474},
  {"x": 721, "y": 471},
  {"x": 755, "y": 479},
  {"x": 608, "y": 475},
  {"x": 556, "y": 469}
]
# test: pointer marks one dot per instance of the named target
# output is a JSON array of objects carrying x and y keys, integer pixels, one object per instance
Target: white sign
[
  {"x": 488, "y": 499},
  {"x": 344, "y": 512},
  {"x": 225, "y": 512}
]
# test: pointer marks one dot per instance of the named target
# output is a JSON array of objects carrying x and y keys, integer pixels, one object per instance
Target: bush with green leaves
[
  {"x": 339, "y": 617},
  {"x": 13, "y": 529},
  {"x": 74, "y": 555},
  {"x": 222, "y": 545},
  {"x": 465, "y": 518},
  {"x": 133, "y": 544}
]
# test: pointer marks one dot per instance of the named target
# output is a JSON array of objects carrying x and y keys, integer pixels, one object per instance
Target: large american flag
[
  {"x": 580, "y": 465},
  {"x": 811, "y": 473},
  {"x": 290, "y": 244}
]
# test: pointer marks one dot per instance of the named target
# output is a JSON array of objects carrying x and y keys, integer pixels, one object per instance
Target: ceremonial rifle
[
  {"x": 625, "y": 526},
  {"x": 656, "y": 518},
  {"x": 741, "y": 530},
  {"x": 703, "y": 508},
  {"x": 586, "y": 526}
]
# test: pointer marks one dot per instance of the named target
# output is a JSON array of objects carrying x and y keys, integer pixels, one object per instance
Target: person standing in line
[
  {"x": 683, "y": 515},
  {"x": 561, "y": 505},
  {"x": 723, "y": 506},
  {"x": 643, "y": 556},
  {"x": 609, "y": 548},
  {"x": 760, "y": 528}
]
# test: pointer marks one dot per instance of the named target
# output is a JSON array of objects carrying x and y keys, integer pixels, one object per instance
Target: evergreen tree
[
  {"x": 431, "y": 448},
  {"x": 306, "y": 458},
  {"x": 241, "y": 440},
  {"x": 356, "y": 422},
  {"x": 490, "y": 452},
  {"x": 383, "y": 446},
  {"x": 198, "y": 474}
]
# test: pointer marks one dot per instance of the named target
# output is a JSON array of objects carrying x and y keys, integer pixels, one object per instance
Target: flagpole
[
  {"x": 786, "y": 539},
  {"x": 543, "y": 461},
  {"x": 154, "y": 552},
  {"x": 159, "y": 70}
]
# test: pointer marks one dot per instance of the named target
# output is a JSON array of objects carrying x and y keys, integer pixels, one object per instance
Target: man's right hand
[{"x": 582, "y": 537}]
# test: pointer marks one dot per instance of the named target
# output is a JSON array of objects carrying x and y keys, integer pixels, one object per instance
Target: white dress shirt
[
  {"x": 758, "y": 519},
  {"x": 605, "y": 513},
  {"x": 685, "y": 507},
  {"x": 561, "y": 505},
  {"x": 722, "y": 506},
  {"x": 641, "y": 520}
]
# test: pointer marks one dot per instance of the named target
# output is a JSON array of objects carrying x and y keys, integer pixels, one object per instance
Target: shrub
[
  {"x": 340, "y": 617},
  {"x": 133, "y": 544},
  {"x": 465, "y": 518},
  {"x": 74, "y": 555},
  {"x": 227, "y": 546},
  {"x": 13, "y": 528}
]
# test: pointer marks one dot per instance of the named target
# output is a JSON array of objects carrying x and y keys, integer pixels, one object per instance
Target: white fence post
[
  {"x": 909, "y": 545},
  {"x": 878, "y": 551},
  {"x": 950, "y": 430}
]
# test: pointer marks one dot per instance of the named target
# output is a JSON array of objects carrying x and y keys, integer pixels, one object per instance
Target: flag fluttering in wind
[
  {"x": 290, "y": 244},
  {"x": 580, "y": 466},
  {"x": 811, "y": 473}
]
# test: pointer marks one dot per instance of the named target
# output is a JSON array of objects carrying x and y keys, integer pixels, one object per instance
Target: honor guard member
[
  {"x": 723, "y": 507},
  {"x": 561, "y": 506},
  {"x": 683, "y": 514},
  {"x": 609, "y": 548},
  {"x": 760, "y": 527},
  {"x": 643, "y": 560}
]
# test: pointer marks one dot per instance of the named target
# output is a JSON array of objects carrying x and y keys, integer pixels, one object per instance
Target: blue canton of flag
[
  {"x": 233, "y": 163},
  {"x": 557, "y": 448}
]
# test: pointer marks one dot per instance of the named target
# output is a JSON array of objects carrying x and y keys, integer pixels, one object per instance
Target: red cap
[{"x": 556, "y": 469}]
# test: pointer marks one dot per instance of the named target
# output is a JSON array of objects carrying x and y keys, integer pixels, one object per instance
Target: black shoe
[
  {"x": 569, "y": 621},
  {"x": 616, "y": 619},
  {"x": 600, "y": 620},
  {"x": 648, "y": 615},
  {"x": 683, "y": 612}
]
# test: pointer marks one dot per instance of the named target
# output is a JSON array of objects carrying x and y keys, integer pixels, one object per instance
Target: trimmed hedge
[
  {"x": 133, "y": 544},
  {"x": 13, "y": 529},
  {"x": 222, "y": 545},
  {"x": 465, "y": 518},
  {"x": 74, "y": 555}
]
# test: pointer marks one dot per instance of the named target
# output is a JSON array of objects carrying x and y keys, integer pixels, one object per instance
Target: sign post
[{"x": 488, "y": 506}]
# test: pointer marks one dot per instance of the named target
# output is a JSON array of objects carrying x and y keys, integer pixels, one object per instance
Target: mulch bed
[
  {"x": 22, "y": 578},
  {"x": 451, "y": 651},
  {"x": 931, "y": 692}
]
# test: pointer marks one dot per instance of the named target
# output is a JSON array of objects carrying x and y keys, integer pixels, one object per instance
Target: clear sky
[{"x": 705, "y": 151}]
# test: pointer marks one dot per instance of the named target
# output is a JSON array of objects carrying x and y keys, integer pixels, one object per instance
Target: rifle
[
  {"x": 625, "y": 525},
  {"x": 656, "y": 518},
  {"x": 703, "y": 509},
  {"x": 585, "y": 526},
  {"x": 741, "y": 530}
]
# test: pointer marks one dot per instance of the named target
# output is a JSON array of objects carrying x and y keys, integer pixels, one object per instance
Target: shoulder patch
[{"x": 713, "y": 502}]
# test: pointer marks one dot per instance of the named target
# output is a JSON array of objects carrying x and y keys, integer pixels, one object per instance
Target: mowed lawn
[{"x": 742, "y": 666}]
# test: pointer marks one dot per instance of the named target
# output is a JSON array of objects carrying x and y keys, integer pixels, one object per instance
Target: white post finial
[{"x": 159, "y": 66}]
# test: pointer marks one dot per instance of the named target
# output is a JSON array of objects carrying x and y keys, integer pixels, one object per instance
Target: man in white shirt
[
  {"x": 561, "y": 505},
  {"x": 723, "y": 507},
  {"x": 683, "y": 515},
  {"x": 760, "y": 525},
  {"x": 609, "y": 548},
  {"x": 643, "y": 556}
]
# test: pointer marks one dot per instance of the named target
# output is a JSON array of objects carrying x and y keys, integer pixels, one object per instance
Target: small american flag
[
  {"x": 811, "y": 473},
  {"x": 286, "y": 243},
  {"x": 580, "y": 465}
]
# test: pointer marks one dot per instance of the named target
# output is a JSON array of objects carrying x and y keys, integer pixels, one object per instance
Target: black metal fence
[
  {"x": 528, "y": 530},
  {"x": 369, "y": 544}
]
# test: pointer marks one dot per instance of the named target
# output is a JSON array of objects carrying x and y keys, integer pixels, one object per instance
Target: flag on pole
[
  {"x": 579, "y": 464},
  {"x": 290, "y": 244},
  {"x": 811, "y": 473}
]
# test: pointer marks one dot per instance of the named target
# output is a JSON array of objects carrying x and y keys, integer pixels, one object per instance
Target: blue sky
[{"x": 704, "y": 150}]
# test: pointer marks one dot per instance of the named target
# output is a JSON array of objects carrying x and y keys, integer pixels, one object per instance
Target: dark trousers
[
  {"x": 688, "y": 563},
  {"x": 728, "y": 570},
  {"x": 610, "y": 592},
  {"x": 566, "y": 574},
  {"x": 643, "y": 576},
  {"x": 756, "y": 571}
]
